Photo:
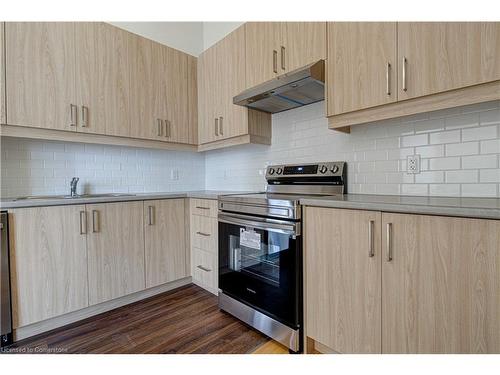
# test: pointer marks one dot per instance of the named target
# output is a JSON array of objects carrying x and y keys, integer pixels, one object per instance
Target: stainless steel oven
[{"x": 260, "y": 249}]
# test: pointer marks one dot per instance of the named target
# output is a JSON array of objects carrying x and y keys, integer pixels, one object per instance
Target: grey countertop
[
  {"x": 487, "y": 208},
  {"x": 7, "y": 203}
]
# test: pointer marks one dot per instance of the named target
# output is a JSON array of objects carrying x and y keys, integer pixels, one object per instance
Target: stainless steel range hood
[{"x": 291, "y": 90}]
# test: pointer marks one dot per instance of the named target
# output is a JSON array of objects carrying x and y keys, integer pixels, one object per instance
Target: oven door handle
[{"x": 292, "y": 229}]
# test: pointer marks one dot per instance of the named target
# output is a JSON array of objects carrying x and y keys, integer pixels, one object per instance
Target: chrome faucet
[{"x": 73, "y": 184}]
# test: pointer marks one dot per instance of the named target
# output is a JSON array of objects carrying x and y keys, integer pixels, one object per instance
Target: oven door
[{"x": 260, "y": 264}]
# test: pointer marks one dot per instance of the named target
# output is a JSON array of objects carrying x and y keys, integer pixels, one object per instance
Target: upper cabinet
[
  {"x": 103, "y": 79},
  {"x": 221, "y": 76},
  {"x": 274, "y": 48},
  {"x": 302, "y": 43},
  {"x": 361, "y": 65},
  {"x": 3, "y": 114},
  {"x": 92, "y": 77},
  {"x": 40, "y": 74},
  {"x": 437, "y": 64},
  {"x": 442, "y": 56}
]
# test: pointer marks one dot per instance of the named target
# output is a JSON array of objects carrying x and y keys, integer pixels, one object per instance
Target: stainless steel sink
[{"x": 110, "y": 195}]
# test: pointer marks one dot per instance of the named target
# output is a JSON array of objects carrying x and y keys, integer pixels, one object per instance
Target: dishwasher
[{"x": 5, "y": 303}]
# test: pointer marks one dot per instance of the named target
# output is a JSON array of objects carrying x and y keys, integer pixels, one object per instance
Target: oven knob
[
  {"x": 323, "y": 169},
  {"x": 279, "y": 171},
  {"x": 271, "y": 170},
  {"x": 335, "y": 169}
]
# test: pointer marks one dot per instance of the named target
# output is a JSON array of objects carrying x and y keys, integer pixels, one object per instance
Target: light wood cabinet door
[
  {"x": 3, "y": 114},
  {"x": 48, "y": 262},
  {"x": 442, "y": 56},
  {"x": 40, "y": 74},
  {"x": 208, "y": 104},
  {"x": 147, "y": 95},
  {"x": 165, "y": 241},
  {"x": 361, "y": 65},
  {"x": 103, "y": 78},
  {"x": 302, "y": 43},
  {"x": 115, "y": 250},
  {"x": 233, "y": 119},
  {"x": 192, "y": 65},
  {"x": 176, "y": 83},
  {"x": 441, "y": 290},
  {"x": 262, "y": 43},
  {"x": 343, "y": 279}
]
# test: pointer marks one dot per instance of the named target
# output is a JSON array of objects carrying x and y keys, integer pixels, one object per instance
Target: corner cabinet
[
  {"x": 378, "y": 70},
  {"x": 401, "y": 283},
  {"x": 221, "y": 76}
]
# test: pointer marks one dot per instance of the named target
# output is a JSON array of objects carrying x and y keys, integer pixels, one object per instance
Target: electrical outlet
[
  {"x": 413, "y": 164},
  {"x": 174, "y": 174}
]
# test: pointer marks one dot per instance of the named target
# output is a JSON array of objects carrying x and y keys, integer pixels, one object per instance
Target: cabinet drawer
[
  {"x": 204, "y": 233},
  {"x": 204, "y": 207},
  {"x": 204, "y": 269}
]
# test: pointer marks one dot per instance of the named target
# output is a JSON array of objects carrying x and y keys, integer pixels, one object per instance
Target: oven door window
[{"x": 260, "y": 267}]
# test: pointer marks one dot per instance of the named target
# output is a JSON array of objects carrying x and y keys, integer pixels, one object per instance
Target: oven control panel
[{"x": 310, "y": 170}]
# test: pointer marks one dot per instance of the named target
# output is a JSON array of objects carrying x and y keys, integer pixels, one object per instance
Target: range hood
[{"x": 291, "y": 90}]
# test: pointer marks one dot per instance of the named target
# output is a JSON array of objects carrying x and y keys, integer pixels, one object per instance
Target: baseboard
[{"x": 59, "y": 321}]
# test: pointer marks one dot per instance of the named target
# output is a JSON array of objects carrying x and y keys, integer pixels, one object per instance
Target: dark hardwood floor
[{"x": 184, "y": 320}]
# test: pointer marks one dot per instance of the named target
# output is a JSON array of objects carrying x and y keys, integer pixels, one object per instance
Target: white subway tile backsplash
[
  {"x": 489, "y": 175},
  {"x": 477, "y": 134},
  {"x": 445, "y": 137},
  {"x": 462, "y": 176},
  {"x": 480, "y": 161},
  {"x": 458, "y": 149},
  {"x": 479, "y": 190},
  {"x": 444, "y": 163},
  {"x": 415, "y": 140}
]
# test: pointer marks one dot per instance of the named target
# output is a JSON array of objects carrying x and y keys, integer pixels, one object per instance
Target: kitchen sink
[{"x": 110, "y": 195}]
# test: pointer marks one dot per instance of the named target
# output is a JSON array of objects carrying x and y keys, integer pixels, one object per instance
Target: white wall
[
  {"x": 459, "y": 147},
  {"x": 215, "y": 31},
  {"x": 189, "y": 37},
  {"x": 31, "y": 167},
  {"x": 184, "y": 36}
]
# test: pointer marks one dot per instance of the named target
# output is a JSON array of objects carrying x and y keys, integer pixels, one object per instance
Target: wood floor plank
[{"x": 184, "y": 320}]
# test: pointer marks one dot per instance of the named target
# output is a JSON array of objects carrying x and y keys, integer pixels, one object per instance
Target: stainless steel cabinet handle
[
  {"x": 371, "y": 241},
  {"x": 72, "y": 113},
  {"x": 389, "y": 242},
  {"x": 83, "y": 222},
  {"x": 160, "y": 127},
  {"x": 282, "y": 57},
  {"x": 150, "y": 215},
  {"x": 203, "y": 208},
  {"x": 217, "y": 127},
  {"x": 85, "y": 116},
  {"x": 203, "y": 234},
  {"x": 95, "y": 221},
  {"x": 404, "y": 74},
  {"x": 388, "y": 78},
  {"x": 204, "y": 268},
  {"x": 275, "y": 61},
  {"x": 221, "y": 129}
]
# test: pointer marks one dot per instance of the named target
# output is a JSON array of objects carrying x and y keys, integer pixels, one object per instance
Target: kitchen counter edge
[{"x": 483, "y": 208}]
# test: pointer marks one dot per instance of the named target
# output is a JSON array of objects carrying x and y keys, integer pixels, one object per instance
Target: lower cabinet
[
  {"x": 116, "y": 250},
  {"x": 165, "y": 241},
  {"x": 48, "y": 262},
  {"x": 401, "y": 283},
  {"x": 66, "y": 258},
  {"x": 342, "y": 279}
]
